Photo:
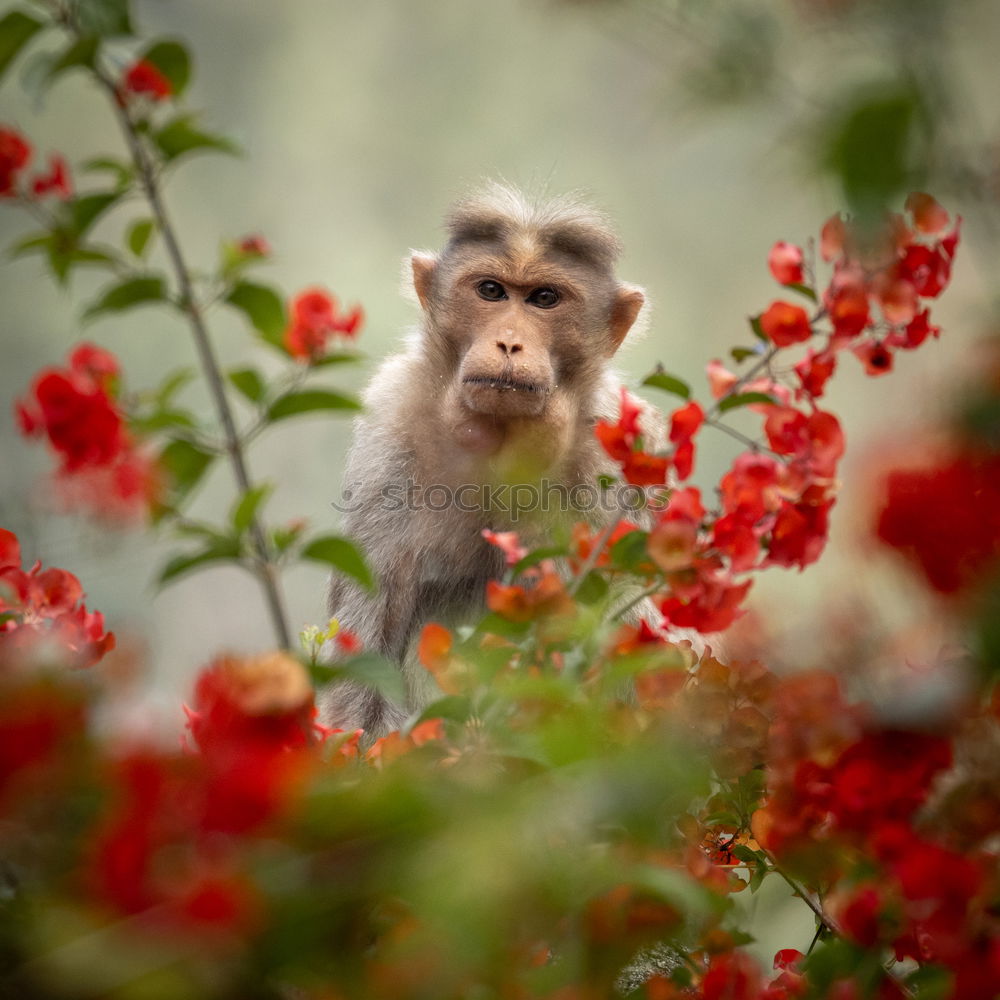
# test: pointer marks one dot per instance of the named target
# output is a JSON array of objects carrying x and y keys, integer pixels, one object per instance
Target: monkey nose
[{"x": 509, "y": 347}]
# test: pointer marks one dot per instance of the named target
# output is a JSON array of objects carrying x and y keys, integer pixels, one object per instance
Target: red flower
[
  {"x": 846, "y": 301},
  {"x": 875, "y": 355},
  {"x": 254, "y": 246},
  {"x": 799, "y": 534},
  {"x": 620, "y": 439},
  {"x": 348, "y": 642},
  {"x": 814, "y": 370},
  {"x": 861, "y": 797},
  {"x": 897, "y": 297},
  {"x": 143, "y": 77},
  {"x": 711, "y": 602},
  {"x": 95, "y": 363},
  {"x": 785, "y": 262},
  {"x": 14, "y": 156},
  {"x": 56, "y": 181},
  {"x": 508, "y": 543},
  {"x": 928, "y": 214},
  {"x": 752, "y": 487},
  {"x": 81, "y": 423},
  {"x": 643, "y": 469},
  {"x": 816, "y": 441},
  {"x": 928, "y": 268},
  {"x": 44, "y": 608},
  {"x": 833, "y": 240},
  {"x": 915, "y": 333},
  {"x": 684, "y": 424},
  {"x": 544, "y": 595},
  {"x": 946, "y": 517},
  {"x": 861, "y": 915},
  {"x": 314, "y": 320},
  {"x": 720, "y": 379},
  {"x": 732, "y": 976},
  {"x": 734, "y": 535},
  {"x": 785, "y": 323},
  {"x": 672, "y": 543}
]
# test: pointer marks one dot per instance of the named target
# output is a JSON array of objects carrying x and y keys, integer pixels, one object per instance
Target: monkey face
[{"x": 519, "y": 324}]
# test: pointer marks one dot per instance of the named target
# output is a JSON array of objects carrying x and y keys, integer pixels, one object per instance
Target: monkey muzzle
[{"x": 504, "y": 395}]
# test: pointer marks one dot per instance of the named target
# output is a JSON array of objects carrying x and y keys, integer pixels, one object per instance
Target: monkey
[{"x": 498, "y": 388}]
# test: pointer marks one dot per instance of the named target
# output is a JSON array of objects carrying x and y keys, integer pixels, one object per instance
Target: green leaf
[
  {"x": 128, "y": 293},
  {"x": 339, "y": 358},
  {"x": 139, "y": 234},
  {"x": 745, "y": 399},
  {"x": 16, "y": 30},
  {"x": 248, "y": 383},
  {"x": 103, "y": 17},
  {"x": 80, "y": 53},
  {"x": 369, "y": 669},
  {"x": 247, "y": 506},
  {"x": 629, "y": 552},
  {"x": 180, "y": 136},
  {"x": 173, "y": 61},
  {"x": 877, "y": 147},
  {"x": 284, "y": 537},
  {"x": 668, "y": 383},
  {"x": 341, "y": 554},
  {"x": 758, "y": 330},
  {"x": 220, "y": 549},
  {"x": 86, "y": 210},
  {"x": 122, "y": 172},
  {"x": 309, "y": 400},
  {"x": 742, "y": 353},
  {"x": 263, "y": 307},
  {"x": 803, "y": 290},
  {"x": 172, "y": 384},
  {"x": 592, "y": 589},
  {"x": 29, "y": 244},
  {"x": 745, "y": 854},
  {"x": 538, "y": 555},
  {"x": 185, "y": 464},
  {"x": 163, "y": 420},
  {"x": 64, "y": 254}
]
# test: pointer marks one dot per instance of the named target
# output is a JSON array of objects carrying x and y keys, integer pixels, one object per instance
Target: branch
[{"x": 263, "y": 564}]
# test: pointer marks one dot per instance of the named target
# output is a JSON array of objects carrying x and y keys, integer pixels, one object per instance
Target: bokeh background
[{"x": 706, "y": 130}]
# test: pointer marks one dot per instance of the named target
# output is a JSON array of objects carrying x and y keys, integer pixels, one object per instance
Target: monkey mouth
[{"x": 502, "y": 383}]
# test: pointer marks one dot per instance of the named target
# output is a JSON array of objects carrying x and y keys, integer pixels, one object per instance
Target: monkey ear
[
  {"x": 629, "y": 300},
  {"x": 423, "y": 265}
]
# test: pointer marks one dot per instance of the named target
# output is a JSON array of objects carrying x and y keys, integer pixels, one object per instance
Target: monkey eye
[
  {"x": 492, "y": 291},
  {"x": 544, "y": 298}
]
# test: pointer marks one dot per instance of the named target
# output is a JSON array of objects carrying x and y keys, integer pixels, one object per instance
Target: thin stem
[
  {"x": 825, "y": 920},
  {"x": 638, "y": 599},
  {"x": 754, "y": 370},
  {"x": 263, "y": 565}
]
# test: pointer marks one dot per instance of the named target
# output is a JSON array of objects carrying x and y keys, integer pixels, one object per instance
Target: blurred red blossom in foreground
[{"x": 42, "y": 614}]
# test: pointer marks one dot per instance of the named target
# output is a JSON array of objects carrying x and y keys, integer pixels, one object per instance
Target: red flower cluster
[
  {"x": 102, "y": 467},
  {"x": 142, "y": 77},
  {"x": 878, "y": 285},
  {"x": 177, "y": 819},
  {"x": 42, "y": 614},
  {"x": 314, "y": 320},
  {"x": 623, "y": 442},
  {"x": 702, "y": 592},
  {"x": 946, "y": 517},
  {"x": 836, "y": 790},
  {"x": 15, "y": 154}
]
